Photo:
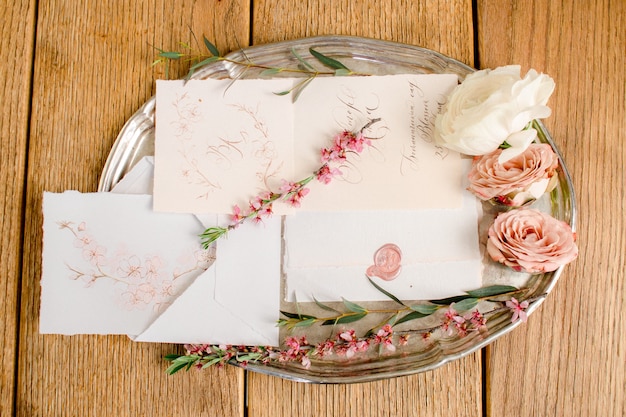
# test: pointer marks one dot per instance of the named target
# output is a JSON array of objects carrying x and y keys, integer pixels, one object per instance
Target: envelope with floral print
[{"x": 111, "y": 265}]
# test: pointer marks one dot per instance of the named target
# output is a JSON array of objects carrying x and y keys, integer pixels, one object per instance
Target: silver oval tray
[{"x": 136, "y": 139}]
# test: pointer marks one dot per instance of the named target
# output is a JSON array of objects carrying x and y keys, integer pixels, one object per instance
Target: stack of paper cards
[{"x": 130, "y": 263}]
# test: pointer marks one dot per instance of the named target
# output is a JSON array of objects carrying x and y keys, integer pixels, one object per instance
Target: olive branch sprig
[
  {"x": 393, "y": 316},
  {"x": 346, "y": 343},
  {"x": 212, "y": 54}
]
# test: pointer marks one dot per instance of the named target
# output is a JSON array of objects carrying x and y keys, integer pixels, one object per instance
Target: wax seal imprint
[{"x": 387, "y": 261}]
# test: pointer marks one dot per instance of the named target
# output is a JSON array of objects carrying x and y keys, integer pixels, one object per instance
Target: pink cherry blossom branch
[{"x": 293, "y": 192}]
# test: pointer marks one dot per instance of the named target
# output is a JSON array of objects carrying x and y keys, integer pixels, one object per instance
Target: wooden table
[{"x": 71, "y": 75}]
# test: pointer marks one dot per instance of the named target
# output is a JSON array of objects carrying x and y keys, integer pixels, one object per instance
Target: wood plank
[
  {"x": 444, "y": 26},
  {"x": 569, "y": 359},
  {"x": 17, "y": 38},
  {"x": 92, "y": 71},
  {"x": 454, "y": 389}
]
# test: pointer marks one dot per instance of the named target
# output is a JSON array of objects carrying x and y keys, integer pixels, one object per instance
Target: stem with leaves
[
  {"x": 394, "y": 316},
  {"x": 200, "y": 59},
  {"x": 293, "y": 192}
]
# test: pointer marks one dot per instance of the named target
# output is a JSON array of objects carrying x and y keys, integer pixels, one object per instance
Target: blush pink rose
[
  {"x": 519, "y": 180},
  {"x": 531, "y": 241}
]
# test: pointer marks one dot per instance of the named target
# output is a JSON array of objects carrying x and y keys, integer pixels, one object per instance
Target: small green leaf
[
  {"x": 211, "y": 234},
  {"x": 300, "y": 88},
  {"x": 492, "y": 290},
  {"x": 270, "y": 71},
  {"x": 205, "y": 62},
  {"x": 171, "y": 357},
  {"x": 212, "y": 48},
  {"x": 282, "y": 93},
  {"x": 296, "y": 315},
  {"x": 341, "y": 72},
  {"x": 353, "y": 306},
  {"x": 329, "y": 62},
  {"x": 302, "y": 61},
  {"x": 324, "y": 306},
  {"x": 425, "y": 309},
  {"x": 305, "y": 323},
  {"x": 387, "y": 293},
  {"x": 345, "y": 319},
  {"x": 182, "y": 362},
  {"x": 212, "y": 362},
  {"x": 449, "y": 300},
  {"x": 466, "y": 304},
  {"x": 410, "y": 316},
  {"x": 171, "y": 55}
]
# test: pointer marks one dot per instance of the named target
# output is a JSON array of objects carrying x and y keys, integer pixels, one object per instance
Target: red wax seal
[{"x": 387, "y": 261}]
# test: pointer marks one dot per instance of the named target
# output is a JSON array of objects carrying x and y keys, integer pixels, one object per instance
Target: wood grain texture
[
  {"x": 442, "y": 25},
  {"x": 455, "y": 389},
  {"x": 16, "y": 60},
  {"x": 92, "y": 71},
  {"x": 569, "y": 359}
]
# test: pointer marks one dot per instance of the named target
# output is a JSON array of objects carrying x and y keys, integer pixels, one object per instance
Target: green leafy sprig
[
  {"x": 212, "y": 54},
  {"x": 405, "y": 312}
]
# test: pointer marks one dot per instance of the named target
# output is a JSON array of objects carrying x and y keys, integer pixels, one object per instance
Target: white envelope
[
  {"x": 327, "y": 254},
  {"x": 236, "y": 301},
  {"x": 88, "y": 287}
]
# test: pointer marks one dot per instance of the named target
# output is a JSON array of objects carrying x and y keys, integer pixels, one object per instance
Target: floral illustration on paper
[
  {"x": 141, "y": 280},
  {"x": 205, "y": 160}
]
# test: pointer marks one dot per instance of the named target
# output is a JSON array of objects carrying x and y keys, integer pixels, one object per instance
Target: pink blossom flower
[
  {"x": 237, "y": 215},
  {"x": 131, "y": 267},
  {"x": 294, "y": 192},
  {"x": 325, "y": 348},
  {"x": 95, "y": 254},
  {"x": 517, "y": 181},
  {"x": 448, "y": 320},
  {"x": 477, "y": 319},
  {"x": 325, "y": 174},
  {"x": 532, "y": 241},
  {"x": 518, "y": 309}
]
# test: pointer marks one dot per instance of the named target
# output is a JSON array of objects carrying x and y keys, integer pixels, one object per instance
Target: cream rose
[
  {"x": 491, "y": 107},
  {"x": 518, "y": 181},
  {"x": 532, "y": 241}
]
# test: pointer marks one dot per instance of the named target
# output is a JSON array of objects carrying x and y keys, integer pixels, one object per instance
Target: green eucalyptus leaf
[
  {"x": 270, "y": 71},
  {"x": 170, "y": 54},
  {"x": 341, "y": 72},
  {"x": 329, "y": 62},
  {"x": 305, "y": 323},
  {"x": 353, "y": 306},
  {"x": 410, "y": 316},
  {"x": 492, "y": 290},
  {"x": 300, "y": 88},
  {"x": 282, "y": 93},
  {"x": 345, "y": 319},
  {"x": 449, "y": 300},
  {"x": 305, "y": 64},
  {"x": 212, "y": 48},
  {"x": 425, "y": 309},
  {"x": 296, "y": 315},
  {"x": 205, "y": 62},
  {"x": 387, "y": 293},
  {"x": 324, "y": 306},
  {"x": 212, "y": 362},
  {"x": 466, "y": 304}
]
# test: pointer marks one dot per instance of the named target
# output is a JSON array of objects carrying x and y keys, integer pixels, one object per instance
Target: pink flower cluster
[
  {"x": 453, "y": 321},
  {"x": 293, "y": 192},
  {"x": 343, "y": 143}
]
